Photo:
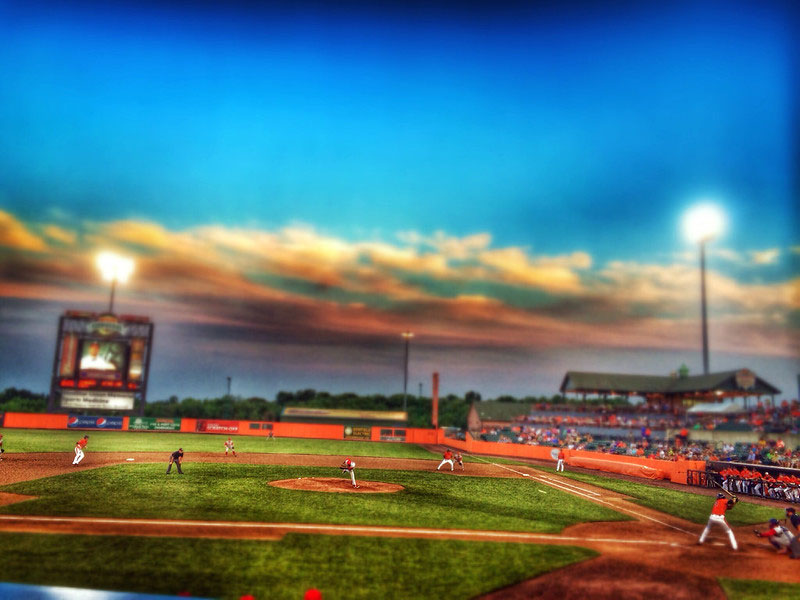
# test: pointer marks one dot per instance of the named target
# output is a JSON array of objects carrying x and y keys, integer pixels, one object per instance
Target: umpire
[{"x": 176, "y": 457}]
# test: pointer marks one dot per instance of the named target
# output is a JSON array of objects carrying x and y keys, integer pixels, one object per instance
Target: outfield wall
[
  {"x": 627, "y": 465},
  {"x": 221, "y": 426}
]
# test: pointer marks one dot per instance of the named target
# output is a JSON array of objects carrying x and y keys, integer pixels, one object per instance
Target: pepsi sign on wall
[{"x": 86, "y": 422}]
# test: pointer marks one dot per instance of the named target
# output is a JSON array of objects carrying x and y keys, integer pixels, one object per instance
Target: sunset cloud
[
  {"x": 297, "y": 285},
  {"x": 13, "y": 234}
]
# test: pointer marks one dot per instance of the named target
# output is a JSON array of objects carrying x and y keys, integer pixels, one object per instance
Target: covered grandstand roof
[{"x": 741, "y": 382}]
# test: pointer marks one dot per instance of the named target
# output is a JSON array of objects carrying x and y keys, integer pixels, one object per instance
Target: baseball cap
[
  {"x": 773, "y": 521},
  {"x": 790, "y": 509}
]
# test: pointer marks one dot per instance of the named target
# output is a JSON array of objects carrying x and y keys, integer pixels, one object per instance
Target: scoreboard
[{"x": 101, "y": 362}]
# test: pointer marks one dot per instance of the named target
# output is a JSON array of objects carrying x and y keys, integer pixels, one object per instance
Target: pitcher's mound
[{"x": 332, "y": 484}]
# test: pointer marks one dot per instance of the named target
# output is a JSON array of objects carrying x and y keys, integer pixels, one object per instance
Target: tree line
[{"x": 453, "y": 409}]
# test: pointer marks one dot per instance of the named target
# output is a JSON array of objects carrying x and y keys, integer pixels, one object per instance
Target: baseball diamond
[{"x": 551, "y": 534}]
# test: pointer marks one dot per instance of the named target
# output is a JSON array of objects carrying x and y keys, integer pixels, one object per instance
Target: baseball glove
[{"x": 757, "y": 532}]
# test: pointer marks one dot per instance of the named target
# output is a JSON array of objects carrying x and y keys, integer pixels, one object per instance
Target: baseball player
[
  {"x": 447, "y": 458},
  {"x": 176, "y": 457},
  {"x": 349, "y": 466},
  {"x": 794, "y": 518},
  {"x": 560, "y": 463},
  {"x": 229, "y": 446},
  {"x": 780, "y": 537},
  {"x": 2, "y": 450},
  {"x": 459, "y": 459},
  {"x": 718, "y": 517},
  {"x": 79, "y": 447}
]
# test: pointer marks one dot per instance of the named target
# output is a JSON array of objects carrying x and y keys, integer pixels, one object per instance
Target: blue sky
[{"x": 526, "y": 155}]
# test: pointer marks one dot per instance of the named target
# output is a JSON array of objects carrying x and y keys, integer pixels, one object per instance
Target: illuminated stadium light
[
  {"x": 114, "y": 268},
  {"x": 703, "y": 223}
]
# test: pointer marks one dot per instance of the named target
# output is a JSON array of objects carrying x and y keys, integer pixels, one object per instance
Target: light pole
[
  {"x": 406, "y": 335},
  {"x": 114, "y": 268},
  {"x": 701, "y": 225}
]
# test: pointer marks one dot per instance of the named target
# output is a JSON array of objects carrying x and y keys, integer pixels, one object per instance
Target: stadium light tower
[
  {"x": 114, "y": 268},
  {"x": 701, "y": 224},
  {"x": 406, "y": 335}
]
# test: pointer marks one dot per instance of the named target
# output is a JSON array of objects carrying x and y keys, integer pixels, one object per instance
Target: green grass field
[
  {"x": 42, "y": 440},
  {"x": 687, "y": 505},
  {"x": 339, "y": 566},
  {"x": 752, "y": 589},
  {"x": 239, "y": 492}
]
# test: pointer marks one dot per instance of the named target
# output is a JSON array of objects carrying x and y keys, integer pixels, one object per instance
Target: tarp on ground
[{"x": 625, "y": 465}]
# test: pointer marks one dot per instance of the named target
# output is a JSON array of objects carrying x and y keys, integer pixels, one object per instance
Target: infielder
[
  {"x": 447, "y": 457},
  {"x": 459, "y": 459},
  {"x": 176, "y": 457},
  {"x": 79, "y": 446},
  {"x": 560, "y": 463},
  {"x": 229, "y": 446},
  {"x": 349, "y": 466},
  {"x": 718, "y": 517}
]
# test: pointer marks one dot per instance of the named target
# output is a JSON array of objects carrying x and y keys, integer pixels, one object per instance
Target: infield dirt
[{"x": 655, "y": 556}]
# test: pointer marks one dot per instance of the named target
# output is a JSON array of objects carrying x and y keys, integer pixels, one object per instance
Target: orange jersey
[
  {"x": 82, "y": 443},
  {"x": 448, "y": 455},
  {"x": 720, "y": 506}
]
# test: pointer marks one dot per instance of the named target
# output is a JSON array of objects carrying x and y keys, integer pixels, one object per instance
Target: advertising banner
[
  {"x": 357, "y": 433},
  {"x": 154, "y": 424},
  {"x": 208, "y": 426},
  {"x": 102, "y": 400},
  {"x": 393, "y": 435},
  {"x": 86, "y": 422}
]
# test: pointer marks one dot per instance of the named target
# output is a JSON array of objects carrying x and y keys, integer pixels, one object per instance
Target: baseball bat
[{"x": 714, "y": 481}]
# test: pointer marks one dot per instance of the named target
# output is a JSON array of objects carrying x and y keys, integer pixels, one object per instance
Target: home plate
[{"x": 130, "y": 459}]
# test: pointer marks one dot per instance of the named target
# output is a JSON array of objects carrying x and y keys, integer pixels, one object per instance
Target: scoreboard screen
[{"x": 101, "y": 361}]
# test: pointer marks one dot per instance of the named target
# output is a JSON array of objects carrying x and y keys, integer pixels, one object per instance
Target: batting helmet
[
  {"x": 720, "y": 495},
  {"x": 773, "y": 522}
]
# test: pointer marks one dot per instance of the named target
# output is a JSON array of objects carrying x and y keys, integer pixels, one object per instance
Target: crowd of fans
[
  {"x": 633, "y": 421},
  {"x": 765, "y": 452},
  {"x": 782, "y": 417}
]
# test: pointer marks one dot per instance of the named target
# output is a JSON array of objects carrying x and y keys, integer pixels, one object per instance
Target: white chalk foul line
[
  {"x": 318, "y": 527},
  {"x": 588, "y": 497}
]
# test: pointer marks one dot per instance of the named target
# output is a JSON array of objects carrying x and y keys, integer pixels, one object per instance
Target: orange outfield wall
[{"x": 35, "y": 421}]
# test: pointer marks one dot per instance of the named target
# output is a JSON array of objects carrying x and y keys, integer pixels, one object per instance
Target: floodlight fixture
[
  {"x": 114, "y": 268},
  {"x": 703, "y": 223}
]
